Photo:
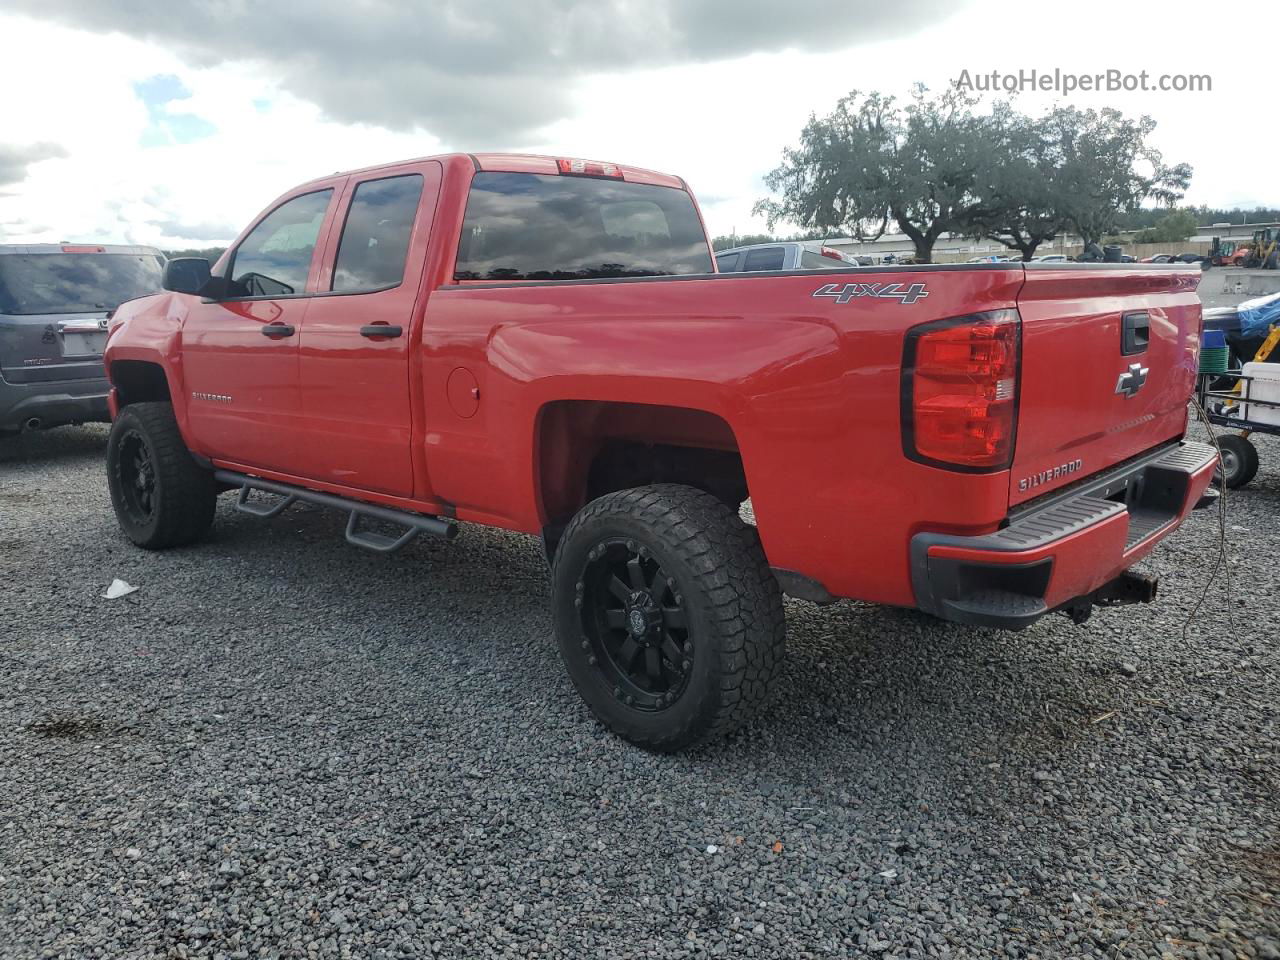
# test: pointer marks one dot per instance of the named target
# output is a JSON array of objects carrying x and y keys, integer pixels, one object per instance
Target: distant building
[{"x": 1230, "y": 231}]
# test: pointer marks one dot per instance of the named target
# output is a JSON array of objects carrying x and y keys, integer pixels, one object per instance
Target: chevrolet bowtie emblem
[{"x": 1131, "y": 380}]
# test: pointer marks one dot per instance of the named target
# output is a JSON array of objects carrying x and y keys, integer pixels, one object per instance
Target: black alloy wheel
[
  {"x": 635, "y": 625},
  {"x": 136, "y": 476}
]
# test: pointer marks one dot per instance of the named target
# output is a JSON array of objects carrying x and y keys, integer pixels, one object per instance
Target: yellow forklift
[{"x": 1262, "y": 252}]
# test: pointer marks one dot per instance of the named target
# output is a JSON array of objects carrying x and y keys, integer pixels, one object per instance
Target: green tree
[
  {"x": 935, "y": 166},
  {"x": 734, "y": 240},
  {"x": 1173, "y": 227},
  {"x": 1205, "y": 216},
  {"x": 837, "y": 178},
  {"x": 1020, "y": 191},
  {"x": 1107, "y": 167},
  {"x": 871, "y": 162}
]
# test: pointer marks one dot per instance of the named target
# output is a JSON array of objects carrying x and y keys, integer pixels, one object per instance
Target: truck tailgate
[{"x": 1109, "y": 356}]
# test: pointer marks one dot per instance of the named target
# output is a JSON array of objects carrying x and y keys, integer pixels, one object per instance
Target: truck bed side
[{"x": 807, "y": 387}]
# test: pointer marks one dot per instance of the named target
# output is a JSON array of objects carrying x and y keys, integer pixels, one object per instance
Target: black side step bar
[{"x": 413, "y": 523}]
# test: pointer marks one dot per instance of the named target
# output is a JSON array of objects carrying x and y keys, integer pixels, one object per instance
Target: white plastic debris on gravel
[{"x": 118, "y": 589}]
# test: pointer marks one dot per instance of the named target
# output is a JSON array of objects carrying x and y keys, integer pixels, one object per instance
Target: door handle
[
  {"x": 376, "y": 331},
  {"x": 276, "y": 330}
]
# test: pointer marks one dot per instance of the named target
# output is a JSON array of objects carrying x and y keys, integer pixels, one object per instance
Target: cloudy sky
[{"x": 172, "y": 122}]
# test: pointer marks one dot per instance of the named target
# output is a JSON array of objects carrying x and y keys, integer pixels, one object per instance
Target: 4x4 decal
[{"x": 844, "y": 292}]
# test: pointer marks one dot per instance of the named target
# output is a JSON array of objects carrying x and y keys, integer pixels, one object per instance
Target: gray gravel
[{"x": 281, "y": 746}]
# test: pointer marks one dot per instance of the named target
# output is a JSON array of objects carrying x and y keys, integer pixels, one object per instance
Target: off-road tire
[
  {"x": 730, "y": 598},
  {"x": 184, "y": 494}
]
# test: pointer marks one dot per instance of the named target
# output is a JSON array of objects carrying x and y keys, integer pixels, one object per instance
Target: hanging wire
[{"x": 1220, "y": 564}]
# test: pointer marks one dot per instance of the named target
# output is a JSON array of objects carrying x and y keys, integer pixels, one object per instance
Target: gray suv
[{"x": 54, "y": 303}]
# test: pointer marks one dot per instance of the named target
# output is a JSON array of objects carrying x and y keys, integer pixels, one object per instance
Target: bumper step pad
[{"x": 1003, "y": 606}]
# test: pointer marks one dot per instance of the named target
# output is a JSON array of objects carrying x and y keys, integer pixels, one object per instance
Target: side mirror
[{"x": 186, "y": 275}]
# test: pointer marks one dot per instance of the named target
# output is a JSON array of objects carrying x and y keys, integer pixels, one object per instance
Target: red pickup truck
[{"x": 544, "y": 345}]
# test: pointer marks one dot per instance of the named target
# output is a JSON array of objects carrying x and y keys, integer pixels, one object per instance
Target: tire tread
[{"x": 744, "y": 599}]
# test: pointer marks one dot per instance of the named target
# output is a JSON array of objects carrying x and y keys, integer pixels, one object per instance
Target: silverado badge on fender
[{"x": 843, "y": 293}]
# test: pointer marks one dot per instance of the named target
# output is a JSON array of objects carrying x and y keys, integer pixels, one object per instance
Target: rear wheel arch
[{"x": 585, "y": 449}]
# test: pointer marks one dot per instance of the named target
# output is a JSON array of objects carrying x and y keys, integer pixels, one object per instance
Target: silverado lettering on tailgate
[
  {"x": 844, "y": 292},
  {"x": 1038, "y": 479}
]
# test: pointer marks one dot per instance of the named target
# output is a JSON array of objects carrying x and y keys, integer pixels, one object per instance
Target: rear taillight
[
  {"x": 960, "y": 391},
  {"x": 832, "y": 254}
]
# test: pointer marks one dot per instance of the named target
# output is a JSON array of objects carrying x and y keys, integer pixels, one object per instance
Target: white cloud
[
  {"x": 471, "y": 71},
  {"x": 109, "y": 187},
  {"x": 721, "y": 125}
]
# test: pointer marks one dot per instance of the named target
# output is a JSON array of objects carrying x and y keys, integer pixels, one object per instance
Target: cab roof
[{"x": 520, "y": 163}]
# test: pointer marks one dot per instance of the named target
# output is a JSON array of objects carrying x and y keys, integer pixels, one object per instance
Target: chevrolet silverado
[{"x": 544, "y": 345}]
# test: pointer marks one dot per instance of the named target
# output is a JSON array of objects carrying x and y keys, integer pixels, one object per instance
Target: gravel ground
[{"x": 281, "y": 746}]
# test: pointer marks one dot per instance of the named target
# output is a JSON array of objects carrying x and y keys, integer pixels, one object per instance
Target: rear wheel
[
  {"x": 1239, "y": 461},
  {"x": 669, "y": 620},
  {"x": 162, "y": 497}
]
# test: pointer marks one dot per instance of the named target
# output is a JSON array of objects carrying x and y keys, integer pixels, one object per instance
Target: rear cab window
[
  {"x": 527, "y": 226},
  {"x": 728, "y": 263},
  {"x": 33, "y": 284}
]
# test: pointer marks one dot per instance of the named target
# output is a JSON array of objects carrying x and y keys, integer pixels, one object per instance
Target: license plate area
[{"x": 81, "y": 344}]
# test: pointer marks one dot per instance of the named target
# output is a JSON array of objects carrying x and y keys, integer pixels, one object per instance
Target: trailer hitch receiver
[{"x": 1129, "y": 587}]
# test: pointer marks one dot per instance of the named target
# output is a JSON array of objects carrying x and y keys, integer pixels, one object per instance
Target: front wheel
[
  {"x": 1239, "y": 461},
  {"x": 668, "y": 618},
  {"x": 161, "y": 496}
]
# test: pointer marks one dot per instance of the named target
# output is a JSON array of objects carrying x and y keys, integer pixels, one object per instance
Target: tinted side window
[
  {"x": 770, "y": 258},
  {"x": 375, "y": 238},
  {"x": 525, "y": 226},
  {"x": 728, "y": 263},
  {"x": 275, "y": 257}
]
